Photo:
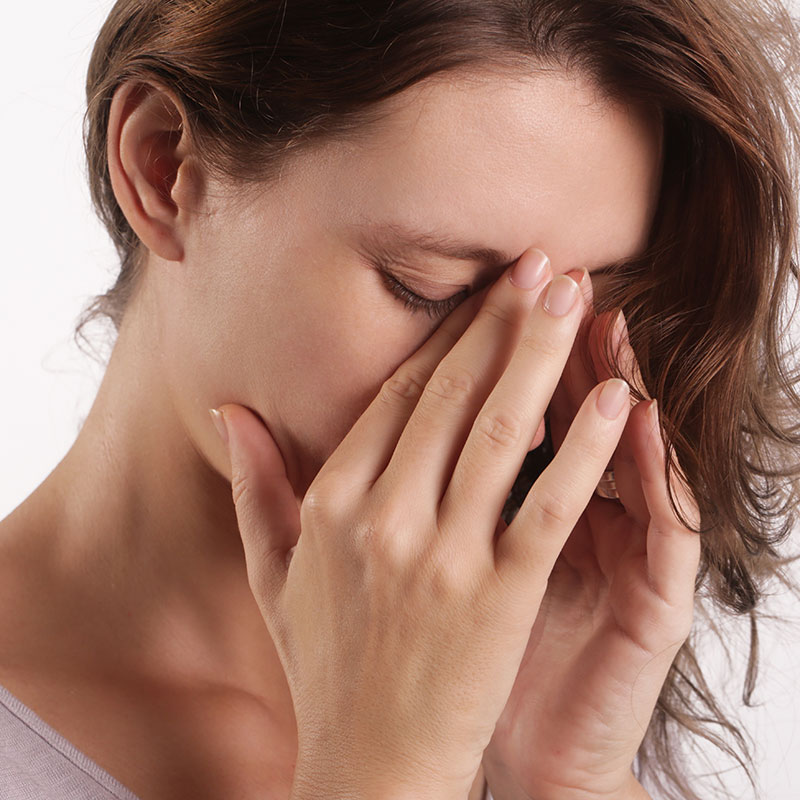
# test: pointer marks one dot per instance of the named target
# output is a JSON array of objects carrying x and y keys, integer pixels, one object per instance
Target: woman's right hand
[{"x": 399, "y": 603}]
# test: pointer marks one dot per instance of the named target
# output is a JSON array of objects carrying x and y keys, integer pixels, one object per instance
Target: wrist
[
  {"x": 338, "y": 787},
  {"x": 351, "y": 791},
  {"x": 504, "y": 786},
  {"x": 500, "y": 780},
  {"x": 334, "y": 781}
]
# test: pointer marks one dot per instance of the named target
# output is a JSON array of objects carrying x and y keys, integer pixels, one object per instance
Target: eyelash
[{"x": 412, "y": 301}]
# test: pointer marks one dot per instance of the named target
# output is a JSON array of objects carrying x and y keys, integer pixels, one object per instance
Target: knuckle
[
  {"x": 239, "y": 487},
  {"x": 590, "y": 448},
  {"x": 499, "y": 313},
  {"x": 588, "y": 441},
  {"x": 317, "y": 505},
  {"x": 380, "y": 541},
  {"x": 330, "y": 481},
  {"x": 446, "y": 575},
  {"x": 552, "y": 510},
  {"x": 449, "y": 332},
  {"x": 404, "y": 386},
  {"x": 499, "y": 430},
  {"x": 454, "y": 386},
  {"x": 365, "y": 534},
  {"x": 543, "y": 347}
]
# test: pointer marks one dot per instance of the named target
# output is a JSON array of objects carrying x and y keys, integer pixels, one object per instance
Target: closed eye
[{"x": 436, "y": 309}]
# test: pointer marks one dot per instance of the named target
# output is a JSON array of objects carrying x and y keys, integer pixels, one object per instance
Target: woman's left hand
[{"x": 618, "y": 606}]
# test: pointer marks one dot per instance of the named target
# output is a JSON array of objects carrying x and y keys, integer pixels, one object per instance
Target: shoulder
[{"x": 27, "y": 596}]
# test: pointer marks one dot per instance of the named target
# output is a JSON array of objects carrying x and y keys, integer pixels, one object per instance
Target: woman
[{"x": 387, "y": 247}]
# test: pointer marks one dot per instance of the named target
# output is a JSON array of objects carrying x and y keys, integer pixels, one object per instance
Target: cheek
[{"x": 332, "y": 366}]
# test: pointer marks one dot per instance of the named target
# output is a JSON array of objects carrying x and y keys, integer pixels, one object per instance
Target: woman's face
[{"x": 280, "y": 304}]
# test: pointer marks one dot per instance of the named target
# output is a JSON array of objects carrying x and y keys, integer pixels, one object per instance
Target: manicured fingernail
[
  {"x": 530, "y": 269},
  {"x": 613, "y": 398},
  {"x": 561, "y": 296},
  {"x": 652, "y": 413},
  {"x": 219, "y": 424},
  {"x": 578, "y": 275},
  {"x": 620, "y": 329},
  {"x": 656, "y": 440},
  {"x": 581, "y": 277}
]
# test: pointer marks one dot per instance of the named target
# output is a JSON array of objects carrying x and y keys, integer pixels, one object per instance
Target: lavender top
[{"x": 38, "y": 763}]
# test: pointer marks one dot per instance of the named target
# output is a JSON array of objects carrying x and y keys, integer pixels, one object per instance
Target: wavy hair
[{"x": 706, "y": 303}]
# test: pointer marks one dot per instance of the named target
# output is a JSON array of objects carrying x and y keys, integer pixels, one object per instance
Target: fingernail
[
  {"x": 613, "y": 398},
  {"x": 655, "y": 423},
  {"x": 561, "y": 296},
  {"x": 581, "y": 277},
  {"x": 652, "y": 412},
  {"x": 530, "y": 269},
  {"x": 620, "y": 329},
  {"x": 578, "y": 275},
  {"x": 219, "y": 424}
]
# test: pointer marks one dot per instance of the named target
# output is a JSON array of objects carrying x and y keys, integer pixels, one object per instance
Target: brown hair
[{"x": 706, "y": 304}]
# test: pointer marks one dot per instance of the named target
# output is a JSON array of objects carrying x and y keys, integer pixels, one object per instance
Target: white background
[{"x": 57, "y": 256}]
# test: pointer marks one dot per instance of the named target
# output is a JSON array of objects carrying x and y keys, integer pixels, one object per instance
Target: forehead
[{"x": 507, "y": 160}]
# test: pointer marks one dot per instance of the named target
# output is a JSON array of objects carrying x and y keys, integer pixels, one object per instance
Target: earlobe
[{"x": 150, "y": 172}]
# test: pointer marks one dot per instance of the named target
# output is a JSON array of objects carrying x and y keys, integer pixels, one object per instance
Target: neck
[{"x": 135, "y": 520}]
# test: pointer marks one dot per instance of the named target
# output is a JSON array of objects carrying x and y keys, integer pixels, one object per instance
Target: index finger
[{"x": 367, "y": 448}]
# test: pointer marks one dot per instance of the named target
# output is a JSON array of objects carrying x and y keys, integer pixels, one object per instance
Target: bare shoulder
[
  {"x": 23, "y": 590},
  {"x": 32, "y": 603},
  {"x": 17, "y": 557}
]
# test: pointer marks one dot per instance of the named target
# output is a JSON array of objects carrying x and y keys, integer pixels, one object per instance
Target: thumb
[{"x": 266, "y": 508}]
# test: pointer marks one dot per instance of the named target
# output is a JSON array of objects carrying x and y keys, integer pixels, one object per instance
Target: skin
[{"x": 125, "y": 568}]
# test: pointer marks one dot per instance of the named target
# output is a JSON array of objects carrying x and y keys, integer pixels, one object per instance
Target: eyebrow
[{"x": 403, "y": 241}]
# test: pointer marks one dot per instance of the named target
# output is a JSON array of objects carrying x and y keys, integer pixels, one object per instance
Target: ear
[{"x": 152, "y": 173}]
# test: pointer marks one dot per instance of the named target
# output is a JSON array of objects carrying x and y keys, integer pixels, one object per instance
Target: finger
[
  {"x": 611, "y": 521},
  {"x": 673, "y": 551},
  {"x": 560, "y": 415},
  {"x": 368, "y": 446},
  {"x": 527, "y": 550},
  {"x": 610, "y": 330},
  {"x": 626, "y": 476},
  {"x": 499, "y": 436},
  {"x": 266, "y": 507},
  {"x": 538, "y": 437},
  {"x": 578, "y": 379},
  {"x": 430, "y": 445},
  {"x": 614, "y": 332}
]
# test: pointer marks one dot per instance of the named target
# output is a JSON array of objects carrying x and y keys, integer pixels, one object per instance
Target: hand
[
  {"x": 618, "y": 607},
  {"x": 399, "y": 617}
]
